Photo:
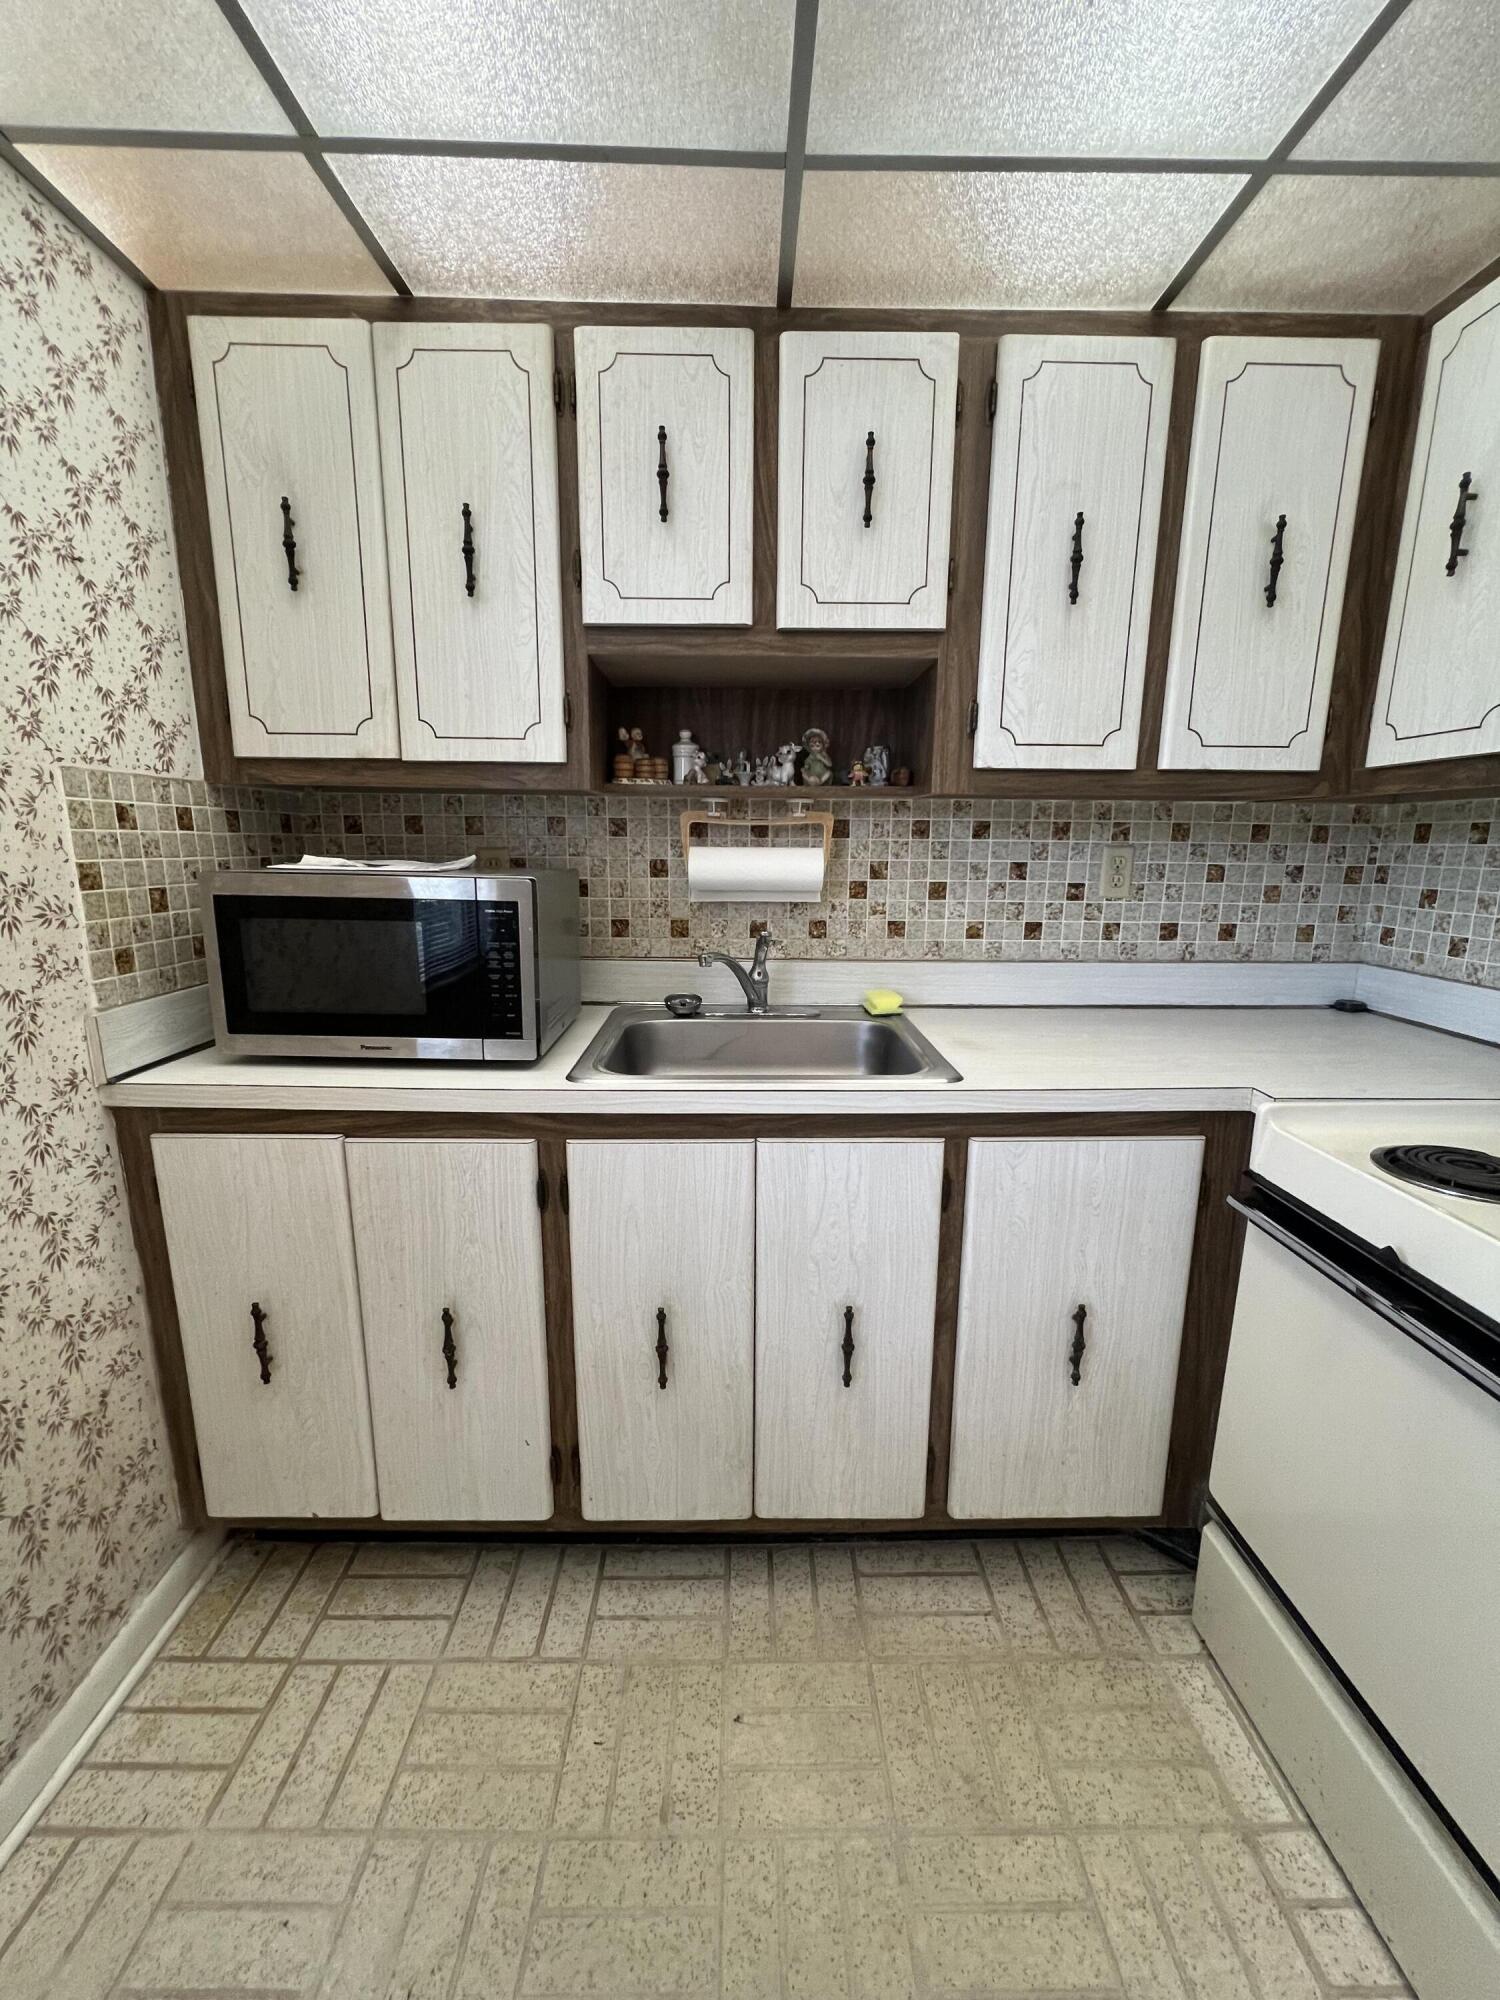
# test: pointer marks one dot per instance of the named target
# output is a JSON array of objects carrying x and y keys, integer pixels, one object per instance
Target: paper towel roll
[{"x": 755, "y": 874}]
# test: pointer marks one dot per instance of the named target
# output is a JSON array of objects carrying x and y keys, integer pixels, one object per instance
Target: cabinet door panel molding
[{"x": 1278, "y": 448}]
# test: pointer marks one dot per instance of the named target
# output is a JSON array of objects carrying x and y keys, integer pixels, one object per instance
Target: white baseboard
[
  {"x": 926, "y": 982},
  {"x": 128, "y": 1038},
  {"x": 38, "y": 1774},
  {"x": 1432, "y": 1002}
]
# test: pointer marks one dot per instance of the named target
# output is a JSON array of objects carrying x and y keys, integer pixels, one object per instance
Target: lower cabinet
[
  {"x": 449, "y": 1248},
  {"x": 845, "y": 1298},
  {"x": 663, "y": 1253},
  {"x": 263, "y": 1266},
  {"x": 1073, "y": 1283}
]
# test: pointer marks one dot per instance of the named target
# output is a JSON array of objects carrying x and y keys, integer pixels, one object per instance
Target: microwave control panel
[{"x": 500, "y": 944}]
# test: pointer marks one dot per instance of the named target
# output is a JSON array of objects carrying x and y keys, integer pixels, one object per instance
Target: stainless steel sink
[{"x": 831, "y": 1044}]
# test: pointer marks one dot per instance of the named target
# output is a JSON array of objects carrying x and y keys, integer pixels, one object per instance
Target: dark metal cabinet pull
[
  {"x": 1278, "y": 557},
  {"x": 450, "y": 1349},
  {"x": 662, "y": 474},
  {"x": 258, "y": 1341},
  {"x": 846, "y": 1345},
  {"x": 467, "y": 545},
  {"x": 1459, "y": 522},
  {"x": 289, "y": 542},
  {"x": 1075, "y": 1352},
  {"x": 869, "y": 479},
  {"x": 662, "y": 1350},
  {"x": 1075, "y": 563}
]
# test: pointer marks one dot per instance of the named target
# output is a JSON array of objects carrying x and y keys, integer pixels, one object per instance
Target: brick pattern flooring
[{"x": 839, "y": 1769}]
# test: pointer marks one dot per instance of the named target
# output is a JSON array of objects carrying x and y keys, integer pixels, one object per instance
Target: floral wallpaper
[{"x": 92, "y": 670}]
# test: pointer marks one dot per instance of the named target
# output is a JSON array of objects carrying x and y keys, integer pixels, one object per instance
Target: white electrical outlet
[{"x": 1117, "y": 876}]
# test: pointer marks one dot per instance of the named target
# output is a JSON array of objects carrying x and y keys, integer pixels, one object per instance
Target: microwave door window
[{"x": 336, "y": 966}]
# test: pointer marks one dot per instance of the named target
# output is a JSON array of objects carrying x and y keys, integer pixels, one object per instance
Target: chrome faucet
[{"x": 757, "y": 981}]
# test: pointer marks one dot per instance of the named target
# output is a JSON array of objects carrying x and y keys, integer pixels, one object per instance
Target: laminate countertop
[{"x": 1010, "y": 1059}]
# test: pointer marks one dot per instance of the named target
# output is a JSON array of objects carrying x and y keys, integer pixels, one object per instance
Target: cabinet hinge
[
  {"x": 572, "y": 396},
  {"x": 973, "y": 717},
  {"x": 554, "y": 1465},
  {"x": 562, "y": 1194},
  {"x": 958, "y": 405},
  {"x": 577, "y": 1468},
  {"x": 1375, "y": 401},
  {"x": 557, "y": 390},
  {"x": 541, "y": 1192},
  {"x": 567, "y": 711},
  {"x": 994, "y": 399},
  {"x": 947, "y": 1190},
  {"x": 952, "y": 573},
  {"x": 577, "y": 570},
  {"x": 931, "y": 1464}
]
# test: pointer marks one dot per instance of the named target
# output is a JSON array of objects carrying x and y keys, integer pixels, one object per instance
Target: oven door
[
  {"x": 1357, "y": 1465},
  {"x": 335, "y": 965}
]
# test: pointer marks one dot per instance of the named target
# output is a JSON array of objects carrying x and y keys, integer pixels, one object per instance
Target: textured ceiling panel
[
  {"x": 134, "y": 65},
  {"x": 591, "y": 72},
  {"x": 210, "y": 221},
  {"x": 1345, "y": 244},
  {"x": 1429, "y": 91},
  {"x": 1100, "y": 77},
  {"x": 540, "y": 229},
  {"x": 1000, "y": 240}
]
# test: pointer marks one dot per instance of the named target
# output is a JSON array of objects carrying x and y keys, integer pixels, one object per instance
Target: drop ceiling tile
[
  {"x": 1347, "y": 243},
  {"x": 592, "y": 72},
  {"x": 1136, "y": 78},
  {"x": 999, "y": 240},
  {"x": 134, "y": 65},
  {"x": 540, "y": 229},
  {"x": 1430, "y": 90},
  {"x": 215, "y": 221}
]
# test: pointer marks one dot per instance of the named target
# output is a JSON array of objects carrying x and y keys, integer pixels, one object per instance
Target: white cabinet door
[
  {"x": 865, "y": 489},
  {"x": 1075, "y": 494},
  {"x": 1055, "y": 1228},
  {"x": 677, "y": 400},
  {"x": 1439, "y": 688},
  {"x": 846, "y": 1291},
  {"x": 663, "y": 1236},
  {"x": 263, "y": 1270},
  {"x": 286, "y": 411},
  {"x": 449, "y": 1242},
  {"x": 469, "y": 449},
  {"x": 1278, "y": 445}
]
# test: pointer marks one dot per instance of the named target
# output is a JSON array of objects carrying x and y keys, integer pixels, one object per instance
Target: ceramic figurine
[
  {"x": 817, "y": 765},
  {"x": 743, "y": 773},
  {"x": 858, "y": 775},
  {"x": 784, "y": 765},
  {"x": 901, "y": 775},
  {"x": 635, "y": 754},
  {"x": 877, "y": 761},
  {"x": 697, "y": 773},
  {"x": 762, "y": 771}
]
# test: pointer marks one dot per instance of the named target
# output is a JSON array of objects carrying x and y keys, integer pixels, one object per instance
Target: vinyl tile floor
[{"x": 391, "y": 1770}]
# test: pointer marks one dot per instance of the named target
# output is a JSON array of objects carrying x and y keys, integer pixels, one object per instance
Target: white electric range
[{"x": 1350, "y": 1580}]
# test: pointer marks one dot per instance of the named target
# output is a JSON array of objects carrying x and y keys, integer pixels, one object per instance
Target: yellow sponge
[{"x": 881, "y": 1000}]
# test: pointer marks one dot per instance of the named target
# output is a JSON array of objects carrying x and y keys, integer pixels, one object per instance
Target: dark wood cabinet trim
[{"x": 1211, "y": 1286}]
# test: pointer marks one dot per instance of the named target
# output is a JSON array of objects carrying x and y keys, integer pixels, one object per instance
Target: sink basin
[{"x": 830, "y": 1044}]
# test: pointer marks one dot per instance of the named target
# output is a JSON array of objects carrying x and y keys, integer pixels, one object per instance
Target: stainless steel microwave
[{"x": 445, "y": 968}]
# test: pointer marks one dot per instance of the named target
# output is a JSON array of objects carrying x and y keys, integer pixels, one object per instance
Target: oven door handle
[{"x": 1366, "y": 1295}]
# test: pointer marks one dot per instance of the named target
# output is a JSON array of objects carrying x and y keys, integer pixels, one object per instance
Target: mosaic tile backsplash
[{"x": 1409, "y": 886}]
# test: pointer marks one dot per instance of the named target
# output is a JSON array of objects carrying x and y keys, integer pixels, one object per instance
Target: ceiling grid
[{"x": 1135, "y": 155}]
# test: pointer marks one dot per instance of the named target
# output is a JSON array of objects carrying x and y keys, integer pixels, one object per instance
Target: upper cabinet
[
  {"x": 468, "y": 444},
  {"x": 1278, "y": 445},
  {"x": 1075, "y": 493},
  {"x": 866, "y": 479},
  {"x": 665, "y": 473},
  {"x": 286, "y": 410},
  {"x": 1439, "y": 688}
]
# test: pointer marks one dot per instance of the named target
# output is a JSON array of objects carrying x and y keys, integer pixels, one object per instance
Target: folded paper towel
[{"x": 755, "y": 874}]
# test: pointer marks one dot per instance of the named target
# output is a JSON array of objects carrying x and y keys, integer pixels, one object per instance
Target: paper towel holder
[{"x": 711, "y": 813}]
